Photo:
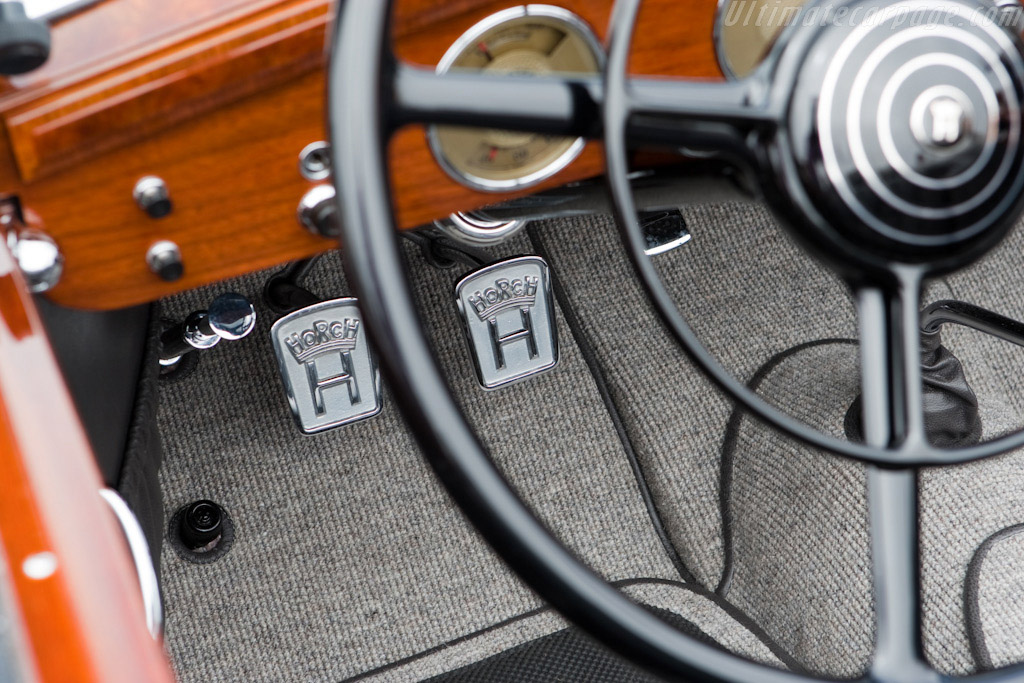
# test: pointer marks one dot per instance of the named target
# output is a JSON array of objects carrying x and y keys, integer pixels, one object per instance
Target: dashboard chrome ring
[
  {"x": 475, "y": 228},
  {"x": 717, "y": 39},
  {"x": 718, "y": 36},
  {"x": 469, "y": 38}
]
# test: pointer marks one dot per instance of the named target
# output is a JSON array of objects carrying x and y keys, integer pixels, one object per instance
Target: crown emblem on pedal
[
  {"x": 329, "y": 372},
  {"x": 509, "y": 318},
  {"x": 505, "y": 294}
]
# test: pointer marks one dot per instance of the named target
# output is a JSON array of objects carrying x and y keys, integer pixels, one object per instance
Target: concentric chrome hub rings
[{"x": 914, "y": 111}]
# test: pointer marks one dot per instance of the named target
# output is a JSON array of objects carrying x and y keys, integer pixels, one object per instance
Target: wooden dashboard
[{"x": 218, "y": 97}]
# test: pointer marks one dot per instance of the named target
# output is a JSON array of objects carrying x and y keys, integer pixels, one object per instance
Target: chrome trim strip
[
  {"x": 52, "y": 10},
  {"x": 144, "y": 569}
]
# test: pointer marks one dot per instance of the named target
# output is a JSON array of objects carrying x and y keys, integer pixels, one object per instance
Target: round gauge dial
[
  {"x": 746, "y": 29},
  {"x": 533, "y": 39}
]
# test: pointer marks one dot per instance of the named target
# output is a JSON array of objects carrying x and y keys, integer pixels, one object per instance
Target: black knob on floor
[
  {"x": 24, "y": 42},
  {"x": 201, "y": 524}
]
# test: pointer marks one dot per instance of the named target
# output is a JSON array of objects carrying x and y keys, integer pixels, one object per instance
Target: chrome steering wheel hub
[{"x": 904, "y": 128}]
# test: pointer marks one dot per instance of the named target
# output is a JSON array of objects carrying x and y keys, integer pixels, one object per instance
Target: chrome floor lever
[{"x": 230, "y": 316}]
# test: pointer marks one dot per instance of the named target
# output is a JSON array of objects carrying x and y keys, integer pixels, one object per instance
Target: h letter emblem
[
  {"x": 329, "y": 373},
  {"x": 508, "y": 313}
]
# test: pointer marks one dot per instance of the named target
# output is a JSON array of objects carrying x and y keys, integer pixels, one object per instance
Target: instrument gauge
[
  {"x": 532, "y": 39},
  {"x": 745, "y": 30}
]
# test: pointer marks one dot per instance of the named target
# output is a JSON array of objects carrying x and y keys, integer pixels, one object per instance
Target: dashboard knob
[
  {"x": 231, "y": 317},
  {"x": 24, "y": 42},
  {"x": 152, "y": 196},
  {"x": 318, "y": 211},
  {"x": 164, "y": 261},
  {"x": 38, "y": 256}
]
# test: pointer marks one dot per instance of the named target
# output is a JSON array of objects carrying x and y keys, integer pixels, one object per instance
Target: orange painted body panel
[{"x": 85, "y": 621}]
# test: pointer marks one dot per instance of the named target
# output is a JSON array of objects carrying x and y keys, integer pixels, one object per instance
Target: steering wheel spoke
[
  {"x": 673, "y": 112},
  {"x": 664, "y": 111},
  {"x": 890, "y": 349},
  {"x": 704, "y": 115},
  {"x": 890, "y": 342},
  {"x": 893, "y": 504},
  {"x": 553, "y": 105},
  {"x": 667, "y": 112}
]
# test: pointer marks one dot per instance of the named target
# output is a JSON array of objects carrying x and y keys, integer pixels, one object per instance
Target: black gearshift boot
[{"x": 950, "y": 406}]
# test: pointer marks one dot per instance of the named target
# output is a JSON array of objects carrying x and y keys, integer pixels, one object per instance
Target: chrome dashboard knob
[
  {"x": 38, "y": 256},
  {"x": 164, "y": 261},
  {"x": 230, "y": 316},
  {"x": 152, "y": 196},
  {"x": 318, "y": 211}
]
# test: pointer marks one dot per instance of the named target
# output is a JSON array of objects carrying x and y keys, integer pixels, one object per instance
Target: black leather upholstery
[
  {"x": 951, "y": 414},
  {"x": 100, "y": 354},
  {"x": 109, "y": 361}
]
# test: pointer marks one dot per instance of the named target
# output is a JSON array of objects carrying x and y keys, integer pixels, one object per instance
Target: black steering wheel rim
[
  {"x": 369, "y": 96},
  {"x": 904, "y": 279}
]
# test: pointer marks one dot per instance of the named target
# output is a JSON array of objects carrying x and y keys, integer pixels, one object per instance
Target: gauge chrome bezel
[
  {"x": 717, "y": 39},
  {"x": 573, "y": 23}
]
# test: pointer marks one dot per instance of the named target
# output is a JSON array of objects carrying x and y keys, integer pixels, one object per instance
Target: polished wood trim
[
  {"x": 113, "y": 33},
  {"x": 220, "y": 108},
  {"x": 234, "y": 180},
  {"x": 69, "y": 125},
  {"x": 85, "y": 621},
  {"x": 425, "y": 188}
]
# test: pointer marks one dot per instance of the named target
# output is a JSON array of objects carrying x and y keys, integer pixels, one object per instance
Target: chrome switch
[{"x": 38, "y": 256}]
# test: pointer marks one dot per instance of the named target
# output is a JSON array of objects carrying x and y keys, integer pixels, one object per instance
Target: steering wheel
[{"x": 890, "y": 147}]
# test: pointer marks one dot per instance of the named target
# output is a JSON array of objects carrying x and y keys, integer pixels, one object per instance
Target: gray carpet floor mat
[
  {"x": 348, "y": 553},
  {"x": 795, "y": 554},
  {"x": 751, "y": 295},
  {"x": 711, "y": 618},
  {"x": 350, "y": 557}
]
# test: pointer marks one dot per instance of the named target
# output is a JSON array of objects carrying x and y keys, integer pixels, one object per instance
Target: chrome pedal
[
  {"x": 329, "y": 371},
  {"x": 508, "y": 313}
]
